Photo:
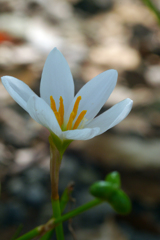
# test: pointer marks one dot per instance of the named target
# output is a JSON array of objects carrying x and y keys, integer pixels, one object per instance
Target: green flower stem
[
  {"x": 153, "y": 8},
  {"x": 55, "y": 163},
  {"x": 57, "y": 214},
  {"x": 63, "y": 202},
  {"x": 55, "y": 222}
]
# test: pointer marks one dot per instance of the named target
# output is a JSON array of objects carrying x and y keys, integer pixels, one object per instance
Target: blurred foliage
[{"x": 153, "y": 8}]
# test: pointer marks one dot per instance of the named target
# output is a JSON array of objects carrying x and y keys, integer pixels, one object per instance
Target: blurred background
[{"x": 93, "y": 35}]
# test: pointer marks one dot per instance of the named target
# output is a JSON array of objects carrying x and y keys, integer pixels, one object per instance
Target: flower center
[{"x": 60, "y": 113}]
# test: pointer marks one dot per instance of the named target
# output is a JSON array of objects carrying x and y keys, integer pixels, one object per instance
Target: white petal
[
  {"x": 81, "y": 134},
  {"x": 57, "y": 79},
  {"x": 112, "y": 117},
  {"x": 19, "y": 91},
  {"x": 43, "y": 114},
  {"x": 95, "y": 93}
]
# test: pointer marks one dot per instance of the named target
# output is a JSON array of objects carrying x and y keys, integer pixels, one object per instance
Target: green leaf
[
  {"x": 17, "y": 233},
  {"x": 66, "y": 196},
  {"x": 120, "y": 202},
  {"x": 109, "y": 190},
  {"x": 103, "y": 190},
  {"x": 114, "y": 178}
]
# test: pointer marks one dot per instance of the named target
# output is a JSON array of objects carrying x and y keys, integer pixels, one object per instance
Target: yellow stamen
[
  {"x": 71, "y": 118},
  {"x": 60, "y": 113},
  {"x": 79, "y": 119},
  {"x": 61, "y": 110},
  {"x": 76, "y": 105},
  {"x": 53, "y": 107},
  {"x": 53, "y": 104}
]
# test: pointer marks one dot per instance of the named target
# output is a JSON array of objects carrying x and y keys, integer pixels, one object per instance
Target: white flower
[{"x": 69, "y": 117}]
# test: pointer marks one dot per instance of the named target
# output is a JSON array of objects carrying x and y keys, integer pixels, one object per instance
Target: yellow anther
[
  {"x": 71, "y": 118},
  {"x": 76, "y": 105},
  {"x": 79, "y": 119},
  {"x": 53, "y": 107},
  {"x": 73, "y": 113},
  {"x": 61, "y": 110},
  {"x": 53, "y": 104},
  {"x": 60, "y": 113}
]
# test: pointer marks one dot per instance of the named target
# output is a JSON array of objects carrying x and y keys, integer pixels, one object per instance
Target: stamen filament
[
  {"x": 71, "y": 118},
  {"x": 53, "y": 104},
  {"x": 76, "y": 105},
  {"x": 79, "y": 119},
  {"x": 53, "y": 107},
  {"x": 61, "y": 110}
]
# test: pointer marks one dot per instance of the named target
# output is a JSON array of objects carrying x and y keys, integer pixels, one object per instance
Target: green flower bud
[
  {"x": 114, "y": 178},
  {"x": 103, "y": 190},
  {"x": 120, "y": 202}
]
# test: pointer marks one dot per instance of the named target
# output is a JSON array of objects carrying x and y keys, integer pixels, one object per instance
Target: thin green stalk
[
  {"x": 153, "y": 8},
  {"x": 78, "y": 210},
  {"x": 33, "y": 233},
  {"x": 47, "y": 235},
  {"x": 57, "y": 214},
  {"x": 51, "y": 224}
]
